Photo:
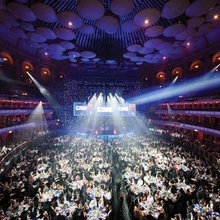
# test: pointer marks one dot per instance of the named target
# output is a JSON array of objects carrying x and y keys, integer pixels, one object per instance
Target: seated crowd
[
  {"x": 71, "y": 178},
  {"x": 5, "y": 150},
  {"x": 64, "y": 178},
  {"x": 162, "y": 180},
  {"x": 211, "y": 147}
]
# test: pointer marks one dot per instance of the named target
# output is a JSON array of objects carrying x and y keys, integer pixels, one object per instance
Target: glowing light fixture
[
  {"x": 196, "y": 66},
  {"x": 216, "y": 17},
  {"x": 70, "y": 23},
  {"x": 146, "y": 21}
]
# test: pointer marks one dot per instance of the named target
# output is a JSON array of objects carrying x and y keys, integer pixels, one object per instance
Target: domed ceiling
[{"x": 132, "y": 33}]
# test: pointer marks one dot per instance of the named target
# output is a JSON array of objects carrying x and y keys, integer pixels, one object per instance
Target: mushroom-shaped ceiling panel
[
  {"x": 36, "y": 37},
  {"x": 129, "y": 26},
  {"x": 74, "y": 54},
  {"x": 27, "y": 26},
  {"x": 21, "y": 11},
  {"x": 8, "y": 19},
  {"x": 188, "y": 33},
  {"x": 134, "y": 48},
  {"x": 200, "y": 7},
  {"x": 144, "y": 50},
  {"x": 67, "y": 45},
  {"x": 90, "y": 9},
  {"x": 173, "y": 30},
  {"x": 44, "y": 45},
  {"x": 154, "y": 31},
  {"x": 64, "y": 34},
  {"x": 213, "y": 15},
  {"x": 44, "y": 12},
  {"x": 108, "y": 23},
  {"x": 56, "y": 47},
  {"x": 69, "y": 19},
  {"x": 153, "y": 43},
  {"x": 194, "y": 22},
  {"x": 174, "y": 8},
  {"x": 87, "y": 29},
  {"x": 205, "y": 28},
  {"x": 18, "y": 32},
  {"x": 122, "y": 7},
  {"x": 129, "y": 55},
  {"x": 147, "y": 17},
  {"x": 46, "y": 33},
  {"x": 88, "y": 54}
]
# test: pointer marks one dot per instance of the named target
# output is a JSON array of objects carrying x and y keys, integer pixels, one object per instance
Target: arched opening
[
  {"x": 6, "y": 58},
  {"x": 177, "y": 73},
  {"x": 160, "y": 78},
  {"x": 216, "y": 58},
  {"x": 26, "y": 67},
  {"x": 196, "y": 66},
  {"x": 45, "y": 76},
  {"x": 7, "y": 65}
]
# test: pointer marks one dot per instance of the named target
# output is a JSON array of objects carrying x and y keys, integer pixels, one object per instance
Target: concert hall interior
[{"x": 110, "y": 109}]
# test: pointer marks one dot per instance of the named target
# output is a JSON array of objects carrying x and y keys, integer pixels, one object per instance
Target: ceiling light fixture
[
  {"x": 146, "y": 21},
  {"x": 215, "y": 17},
  {"x": 70, "y": 23},
  {"x": 196, "y": 66},
  {"x": 188, "y": 44},
  {"x": 164, "y": 58}
]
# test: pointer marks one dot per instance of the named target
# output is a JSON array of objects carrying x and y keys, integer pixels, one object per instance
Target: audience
[{"x": 70, "y": 177}]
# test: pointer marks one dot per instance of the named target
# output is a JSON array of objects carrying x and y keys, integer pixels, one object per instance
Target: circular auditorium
[{"x": 109, "y": 109}]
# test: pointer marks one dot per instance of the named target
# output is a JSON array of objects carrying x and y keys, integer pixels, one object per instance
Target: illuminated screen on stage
[{"x": 83, "y": 109}]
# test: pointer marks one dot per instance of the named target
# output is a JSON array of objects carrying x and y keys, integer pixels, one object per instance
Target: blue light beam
[{"x": 198, "y": 84}]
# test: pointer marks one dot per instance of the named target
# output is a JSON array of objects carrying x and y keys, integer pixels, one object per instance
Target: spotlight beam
[
  {"x": 46, "y": 94},
  {"x": 174, "y": 81},
  {"x": 196, "y": 85}
]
